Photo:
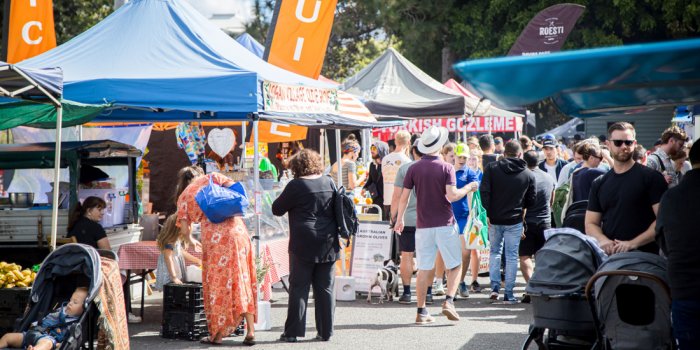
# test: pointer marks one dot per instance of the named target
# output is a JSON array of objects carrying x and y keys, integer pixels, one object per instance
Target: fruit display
[{"x": 12, "y": 275}]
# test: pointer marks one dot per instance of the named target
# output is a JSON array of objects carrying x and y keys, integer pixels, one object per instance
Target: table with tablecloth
[{"x": 143, "y": 256}]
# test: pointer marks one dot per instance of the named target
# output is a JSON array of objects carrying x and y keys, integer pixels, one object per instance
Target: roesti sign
[{"x": 28, "y": 30}]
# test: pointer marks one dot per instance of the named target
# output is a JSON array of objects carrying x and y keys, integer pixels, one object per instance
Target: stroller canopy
[
  {"x": 564, "y": 265},
  {"x": 69, "y": 259},
  {"x": 633, "y": 261}
]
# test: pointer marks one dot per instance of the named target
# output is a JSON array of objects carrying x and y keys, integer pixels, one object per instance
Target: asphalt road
[{"x": 359, "y": 325}]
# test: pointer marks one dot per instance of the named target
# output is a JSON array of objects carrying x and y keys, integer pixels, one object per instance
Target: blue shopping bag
[{"x": 219, "y": 203}]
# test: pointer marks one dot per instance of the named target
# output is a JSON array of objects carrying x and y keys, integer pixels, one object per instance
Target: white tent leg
[
  {"x": 56, "y": 177},
  {"x": 244, "y": 125}
]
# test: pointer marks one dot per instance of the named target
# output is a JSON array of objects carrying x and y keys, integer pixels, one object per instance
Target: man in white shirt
[{"x": 391, "y": 164}]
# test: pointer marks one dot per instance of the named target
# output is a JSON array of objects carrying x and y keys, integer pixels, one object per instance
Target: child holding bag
[{"x": 171, "y": 265}]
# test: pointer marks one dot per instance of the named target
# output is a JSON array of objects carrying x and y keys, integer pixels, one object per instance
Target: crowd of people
[
  {"x": 635, "y": 199},
  {"x": 526, "y": 187}
]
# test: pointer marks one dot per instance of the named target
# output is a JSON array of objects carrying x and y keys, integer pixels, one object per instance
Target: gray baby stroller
[
  {"x": 631, "y": 302},
  {"x": 67, "y": 267},
  {"x": 561, "y": 316}
]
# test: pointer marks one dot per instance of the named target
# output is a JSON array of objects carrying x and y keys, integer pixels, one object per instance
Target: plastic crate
[
  {"x": 13, "y": 303},
  {"x": 184, "y": 325},
  {"x": 183, "y": 297}
]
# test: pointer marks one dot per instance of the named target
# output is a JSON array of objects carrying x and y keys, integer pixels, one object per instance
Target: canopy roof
[
  {"x": 392, "y": 85},
  {"x": 30, "y": 83},
  {"x": 40, "y": 115},
  {"x": 252, "y": 45},
  {"x": 160, "y": 60},
  {"x": 41, "y": 155},
  {"x": 593, "y": 82}
]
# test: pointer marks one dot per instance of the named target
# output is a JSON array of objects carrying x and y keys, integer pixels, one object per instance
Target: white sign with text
[{"x": 371, "y": 247}]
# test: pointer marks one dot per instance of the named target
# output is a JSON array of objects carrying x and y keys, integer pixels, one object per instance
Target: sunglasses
[{"x": 618, "y": 143}]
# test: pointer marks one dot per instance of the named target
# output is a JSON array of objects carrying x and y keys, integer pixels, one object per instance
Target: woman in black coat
[
  {"x": 375, "y": 180},
  {"x": 313, "y": 245}
]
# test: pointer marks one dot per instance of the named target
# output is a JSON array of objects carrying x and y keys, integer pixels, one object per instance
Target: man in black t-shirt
[
  {"x": 487, "y": 145},
  {"x": 623, "y": 203}
]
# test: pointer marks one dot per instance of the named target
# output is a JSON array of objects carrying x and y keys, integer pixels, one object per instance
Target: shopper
[
  {"x": 507, "y": 190},
  {"x": 672, "y": 141},
  {"x": 623, "y": 203},
  {"x": 313, "y": 245},
  {"x": 434, "y": 182},
  {"x": 349, "y": 177},
  {"x": 229, "y": 281},
  {"x": 677, "y": 234},
  {"x": 391, "y": 164}
]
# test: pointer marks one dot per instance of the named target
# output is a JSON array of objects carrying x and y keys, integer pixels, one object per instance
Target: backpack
[
  {"x": 561, "y": 196},
  {"x": 345, "y": 213}
]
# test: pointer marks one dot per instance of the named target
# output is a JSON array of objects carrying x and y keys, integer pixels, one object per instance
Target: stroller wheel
[{"x": 535, "y": 334}]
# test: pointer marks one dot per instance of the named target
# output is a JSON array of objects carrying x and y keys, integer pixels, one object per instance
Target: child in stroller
[{"x": 50, "y": 332}]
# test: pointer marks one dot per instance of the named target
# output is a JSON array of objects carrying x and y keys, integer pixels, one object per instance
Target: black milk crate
[
  {"x": 184, "y": 325},
  {"x": 183, "y": 297},
  {"x": 13, "y": 302}
]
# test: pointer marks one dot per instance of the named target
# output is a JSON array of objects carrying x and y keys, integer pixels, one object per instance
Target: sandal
[
  {"x": 207, "y": 340},
  {"x": 249, "y": 340}
]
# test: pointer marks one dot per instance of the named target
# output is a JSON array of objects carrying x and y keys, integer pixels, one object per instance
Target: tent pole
[
  {"x": 464, "y": 130},
  {"x": 244, "y": 125},
  {"x": 256, "y": 189},
  {"x": 56, "y": 177},
  {"x": 340, "y": 183},
  {"x": 365, "y": 146}
]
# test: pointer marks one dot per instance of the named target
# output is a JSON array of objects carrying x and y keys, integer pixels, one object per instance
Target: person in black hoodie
[
  {"x": 507, "y": 189},
  {"x": 375, "y": 180},
  {"x": 677, "y": 234}
]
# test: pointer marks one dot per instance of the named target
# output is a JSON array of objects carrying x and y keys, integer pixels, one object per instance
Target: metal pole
[
  {"x": 244, "y": 125},
  {"x": 56, "y": 177},
  {"x": 256, "y": 188},
  {"x": 464, "y": 131}
]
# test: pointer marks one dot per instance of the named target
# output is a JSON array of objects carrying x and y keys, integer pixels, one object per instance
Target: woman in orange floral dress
[{"x": 228, "y": 276}]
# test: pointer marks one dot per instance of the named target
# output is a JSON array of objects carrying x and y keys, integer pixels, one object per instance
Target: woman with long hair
[
  {"x": 229, "y": 282},
  {"x": 184, "y": 178},
  {"x": 351, "y": 151},
  {"x": 313, "y": 245},
  {"x": 84, "y": 223}
]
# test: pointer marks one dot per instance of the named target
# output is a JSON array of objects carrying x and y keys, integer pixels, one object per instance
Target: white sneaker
[
  {"x": 439, "y": 289},
  {"x": 133, "y": 318}
]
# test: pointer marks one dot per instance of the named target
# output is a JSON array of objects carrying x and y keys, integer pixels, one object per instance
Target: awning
[
  {"x": 325, "y": 121},
  {"x": 43, "y": 116},
  {"x": 30, "y": 83},
  {"x": 593, "y": 82}
]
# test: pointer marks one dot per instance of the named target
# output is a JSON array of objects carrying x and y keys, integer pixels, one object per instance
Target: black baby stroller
[
  {"x": 66, "y": 268},
  {"x": 556, "y": 289},
  {"x": 575, "y": 216},
  {"x": 631, "y": 302}
]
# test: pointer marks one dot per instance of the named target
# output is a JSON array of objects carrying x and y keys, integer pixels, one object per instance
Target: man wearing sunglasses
[
  {"x": 672, "y": 141},
  {"x": 623, "y": 203}
]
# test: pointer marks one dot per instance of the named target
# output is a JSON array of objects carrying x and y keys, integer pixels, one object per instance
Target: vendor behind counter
[{"x": 84, "y": 223}]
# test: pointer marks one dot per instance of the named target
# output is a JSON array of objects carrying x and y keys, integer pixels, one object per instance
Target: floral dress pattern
[{"x": 228, "y": 275}]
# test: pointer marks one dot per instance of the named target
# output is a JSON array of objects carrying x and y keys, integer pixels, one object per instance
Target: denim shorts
[{"x": 444, "y": 238}]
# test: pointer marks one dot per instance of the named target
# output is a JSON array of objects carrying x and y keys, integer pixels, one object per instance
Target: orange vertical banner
[
  {"x": 300, "y": 31},
  {"x": 274, "y": 132},
  {"x": 31, "y": 29}
]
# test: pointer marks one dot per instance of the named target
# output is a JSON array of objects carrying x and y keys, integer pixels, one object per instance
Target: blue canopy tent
[
  {"x": 593, "y": 82},
  {"x": 251, "y": 44},
  {"x": 156, "y": 56},
  {"x": 42, "y": 85}
]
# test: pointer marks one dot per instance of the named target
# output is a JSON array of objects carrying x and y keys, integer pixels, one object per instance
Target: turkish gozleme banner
[
  {"x": 299, "y": 35},
  {"x": 475, "y": 124},
  {"x": 30, "y": 31}
]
